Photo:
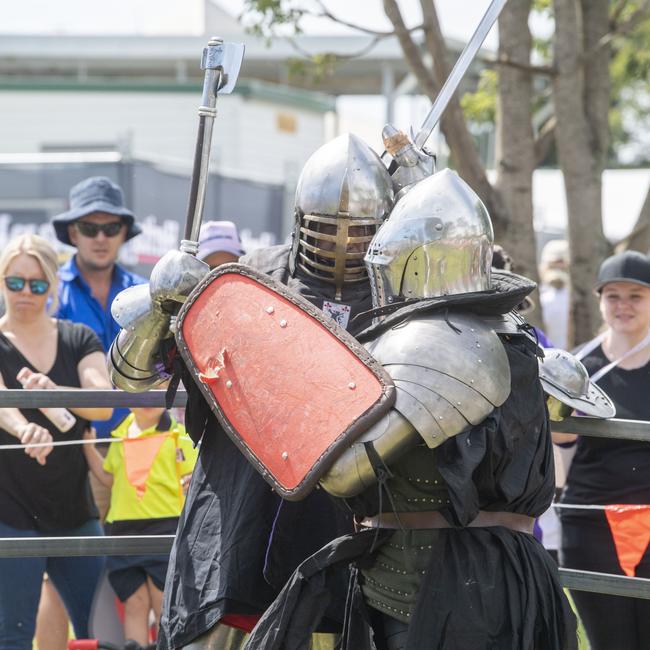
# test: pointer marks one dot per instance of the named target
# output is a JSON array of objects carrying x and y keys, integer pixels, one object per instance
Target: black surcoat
[
  {"x": 478, "y": 587},
  {"x": 237, "y": 543}
]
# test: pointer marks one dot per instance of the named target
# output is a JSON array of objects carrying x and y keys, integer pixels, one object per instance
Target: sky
[{"x": 185, "y": 16}]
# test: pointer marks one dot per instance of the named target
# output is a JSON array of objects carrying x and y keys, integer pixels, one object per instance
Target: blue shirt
[{"x": 76, "y": 303}]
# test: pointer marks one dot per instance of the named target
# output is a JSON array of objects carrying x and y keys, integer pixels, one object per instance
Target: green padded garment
[{"x": 391, "y": 584}]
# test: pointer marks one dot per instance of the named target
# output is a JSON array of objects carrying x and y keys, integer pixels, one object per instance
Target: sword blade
[{"x": 458, "y": 71}]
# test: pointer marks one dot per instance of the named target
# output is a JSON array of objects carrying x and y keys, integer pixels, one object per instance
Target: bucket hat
[
  {"x": 95, "y": 194},
  {"x": 219, "y": 237},
  {"x": 630, "y": 266}
]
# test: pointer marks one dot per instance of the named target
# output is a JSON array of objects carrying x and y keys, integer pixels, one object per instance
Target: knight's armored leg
[
  {"x": 220, "y": 637},
  {"x": 395, "y": 633},
  {"x": 224, "y": 637},
  {"x": 324, "y": 641}
]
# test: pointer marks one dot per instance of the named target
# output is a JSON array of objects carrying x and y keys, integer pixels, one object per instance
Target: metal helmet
[
  {"x": 437, "y": 242},
  {"x": 344, "y": 193},
  {"x": 566, "y": 381}
]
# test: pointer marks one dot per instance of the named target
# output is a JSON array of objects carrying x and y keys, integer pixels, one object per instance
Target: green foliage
[
  {"x": 630, "y": 64},
  {"x": 313, "y": 69},
  {"x": 630, "y": 79},
  {"x": 542, "y": 46},
  {"x": 631, "y": 54},
  {"x": 481, "y": 105},
  {"x": 543, "y": 6},
  {"x": 266, "y": 17}
]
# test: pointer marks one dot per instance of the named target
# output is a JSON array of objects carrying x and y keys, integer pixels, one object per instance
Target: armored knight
[
  {"x": 445, "y": 487},
  {"x": 235, "y": 545}
]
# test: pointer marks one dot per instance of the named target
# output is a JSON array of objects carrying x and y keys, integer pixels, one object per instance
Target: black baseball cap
[{"x": 630, "y": 266}]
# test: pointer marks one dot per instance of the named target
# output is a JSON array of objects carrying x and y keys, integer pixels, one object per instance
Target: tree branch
[
  {"x": 333, "y": 56},
  {"x": 639, "y": 238},
  {"x": 546, "y": 70},
  {"x": 544, "y": 141},
  {"x": 616, "y": 14},
  {"x": 453, "y": 124},
  {"x": 326, "y": 13},
  {"x": 621, "y": 29},
  {"x": 411, "y": 50}
]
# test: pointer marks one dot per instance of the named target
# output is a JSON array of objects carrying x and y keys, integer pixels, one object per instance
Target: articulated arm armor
[
  {"x": 450, "y": 373},
  {"x": 145, "y": 313}
]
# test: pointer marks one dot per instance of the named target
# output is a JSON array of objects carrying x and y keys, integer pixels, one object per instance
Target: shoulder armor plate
[
  {"x": 512, "y": 324},
  {"x": 450, "y": 372}
]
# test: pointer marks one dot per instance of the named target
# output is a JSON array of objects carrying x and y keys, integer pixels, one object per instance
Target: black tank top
[{"x": 54, "y": 496}]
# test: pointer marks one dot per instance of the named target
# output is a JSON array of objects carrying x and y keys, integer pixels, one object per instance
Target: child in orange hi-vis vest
[{"x": 147, "y": 468}]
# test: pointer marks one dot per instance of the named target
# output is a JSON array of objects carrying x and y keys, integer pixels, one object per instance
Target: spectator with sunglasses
[
  {"x": 97, "y": 224},
  {"x": 44, "y": 491}
]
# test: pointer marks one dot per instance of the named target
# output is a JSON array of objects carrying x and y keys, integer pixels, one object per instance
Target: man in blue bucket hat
[{"x": 97, "y": 224}]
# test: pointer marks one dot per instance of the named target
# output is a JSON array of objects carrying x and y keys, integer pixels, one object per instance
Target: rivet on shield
[
  {"x": 269, "y": 309},
  {"x": 229, "y": 384},
  {"x": 283, "y": 323},
  {"x": 285, "y": 455},
  {"x": 352, "y": 385}
]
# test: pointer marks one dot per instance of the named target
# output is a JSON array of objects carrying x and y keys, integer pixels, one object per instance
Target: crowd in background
[{"x": 55, "y": 332}]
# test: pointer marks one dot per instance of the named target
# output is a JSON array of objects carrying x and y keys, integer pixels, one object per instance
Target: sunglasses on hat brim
[
  {"x": 90, "y": 229},
  {"x": 15, "y": 283}
]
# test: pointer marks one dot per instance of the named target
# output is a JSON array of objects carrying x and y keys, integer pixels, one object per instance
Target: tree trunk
[
  {"x": 454, "y": 127},
  {"x": 576, "y": 134},
  {"x": 639, "y": 238},
  {"x": 452, "y": 124},
  {"x": 515, "y": 153}
]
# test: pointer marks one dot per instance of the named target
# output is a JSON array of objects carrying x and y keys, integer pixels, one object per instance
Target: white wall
[{"x": 246, "y": 142}]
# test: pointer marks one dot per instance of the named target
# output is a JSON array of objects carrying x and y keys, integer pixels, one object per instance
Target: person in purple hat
[{"x": 219, "y": 243}]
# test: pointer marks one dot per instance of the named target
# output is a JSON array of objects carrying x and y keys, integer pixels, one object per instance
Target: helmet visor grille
[{"x": 333, "y": 248}]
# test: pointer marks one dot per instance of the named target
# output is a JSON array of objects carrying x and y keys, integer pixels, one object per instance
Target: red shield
[{"x": 291, "y": 387}]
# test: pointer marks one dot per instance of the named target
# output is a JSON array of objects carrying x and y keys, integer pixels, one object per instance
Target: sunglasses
[
  {"x": 90, "y": 229},
  {"x": 37, "y": 287}
]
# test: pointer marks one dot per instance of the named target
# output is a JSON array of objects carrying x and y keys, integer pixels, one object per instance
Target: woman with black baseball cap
[{"x": 610, "y": 471}]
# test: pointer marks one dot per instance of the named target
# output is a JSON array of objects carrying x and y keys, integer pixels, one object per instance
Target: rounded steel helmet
[
  {"x": 565, "y": 379},
  {"x": 437, "y": 242},
  {"x": 344, "y": 193}
]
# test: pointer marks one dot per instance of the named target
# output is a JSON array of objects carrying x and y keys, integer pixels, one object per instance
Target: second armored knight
[{"x": 446, "y": 487}]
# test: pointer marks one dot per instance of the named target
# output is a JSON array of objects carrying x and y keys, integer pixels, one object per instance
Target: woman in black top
[
  {"x": 43, "y": 491},
  {"x": 609, "y": 471}
]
